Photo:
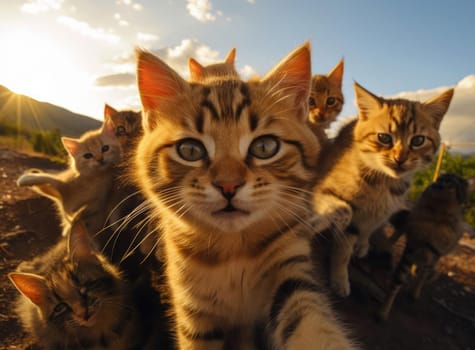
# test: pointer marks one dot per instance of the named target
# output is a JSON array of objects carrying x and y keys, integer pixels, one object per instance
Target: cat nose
[
  {"x": 228, "y": 187},
  {"x": 400, "y": 158}
]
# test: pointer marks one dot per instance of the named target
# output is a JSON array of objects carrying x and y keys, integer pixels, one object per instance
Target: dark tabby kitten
[
  {"x": 326, "y": 100},
  {"x": 228, "y": 167},
  {"x": 73, "y": 298},
  {"x": 432, "y": 228}
]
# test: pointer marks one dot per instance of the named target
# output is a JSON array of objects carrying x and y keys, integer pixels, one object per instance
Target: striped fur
[
  {"x": 326, "y": 100},
  {"x": 364, "y": 179},
  {"x": 234, "y": 220}
]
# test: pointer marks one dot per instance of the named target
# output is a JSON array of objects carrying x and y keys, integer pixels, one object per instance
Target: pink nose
[{"x": 228, "y": 188}]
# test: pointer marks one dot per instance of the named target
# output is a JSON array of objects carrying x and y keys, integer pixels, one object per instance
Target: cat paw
[
  {"x": 361, "y": 249},
  {"x": 341, "y": 287},
  {"x": 28, "y": 178}
]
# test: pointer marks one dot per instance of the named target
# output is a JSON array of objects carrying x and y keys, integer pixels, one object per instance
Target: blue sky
[{"x": 79, "y": 53}]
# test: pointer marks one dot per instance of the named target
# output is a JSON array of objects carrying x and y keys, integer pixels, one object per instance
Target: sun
[{"x": 36, "y": 65}]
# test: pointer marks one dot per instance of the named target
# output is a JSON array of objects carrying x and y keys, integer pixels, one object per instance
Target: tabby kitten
[
  {"x": 228, "y": 167},
  {"x": 367, "y": 170},
  {"x": 73, "y": 298},
  {"x": 127, "y": 127},
  {"x": 433, "y": 228},
  {"x": 326, "y": 100},
  {"x": 226, "y": 68},
  {"x": 86, "y": 183}
]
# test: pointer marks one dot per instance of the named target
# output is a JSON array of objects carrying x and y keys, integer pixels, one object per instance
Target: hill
[{"x": 30, "y": 114}]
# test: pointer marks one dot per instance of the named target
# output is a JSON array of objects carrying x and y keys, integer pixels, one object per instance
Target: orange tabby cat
[
  {"x": 228, "y": 167},
  {"x": 86, "y": 183},
  {"x": 368, "y": 168}
]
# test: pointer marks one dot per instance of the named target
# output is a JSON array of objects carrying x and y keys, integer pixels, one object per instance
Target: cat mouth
[{"x": 230, "y": 209}]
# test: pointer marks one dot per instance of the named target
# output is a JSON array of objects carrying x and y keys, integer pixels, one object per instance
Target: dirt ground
[{"x": 443, "y": 319}]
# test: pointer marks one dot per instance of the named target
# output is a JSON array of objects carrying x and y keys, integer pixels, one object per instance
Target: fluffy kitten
[
  {"x": 326, "y": 100},
  {"x": 73, "y": 298},
  {"x": 367, "y": 170},
  {"x": 228, "y": 167},
  {"x": 433, "y": 228},
  {"x": 86, "y": 183},
  {"x": 225, "y": 68}
]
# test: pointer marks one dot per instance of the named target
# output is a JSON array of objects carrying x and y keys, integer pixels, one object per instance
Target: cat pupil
[
  {"x": 385, "y": 139},
  {"x": 330, "y": 101},
  {"x": 60, "y": 308},
  {"x": 105, "y": 148},
  {"x": 311, "y": 101},
  {"x": 417, "y": 140},
  {"x": 88, "y": 155},
  {"x": 120, "y": 131},
  {"x": 264, "y": 147},
  {"x": 191, "y": 150}
]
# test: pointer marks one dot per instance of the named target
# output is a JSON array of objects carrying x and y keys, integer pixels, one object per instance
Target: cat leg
[
  {"x": 361, "y": 247},
  {"x": 301, "y": 318},
  {"x": 341, "y": 253},
  {"x": 421, "y": 279},
  {"x": 385, "y": 309},
  {"x": 196, "y": 331}
]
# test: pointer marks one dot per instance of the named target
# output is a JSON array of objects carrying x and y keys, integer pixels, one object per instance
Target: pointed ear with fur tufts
[
  {"x": 365, "y": 101},
  {"x": 108, "y": 127},
  {"x": 336, "y": 74},
  {"x": 292, "y": 75},
  {"x": 108, "y": 111},
  {"x": 158, "y": 84},
  {"x": 79, "y": 243},
  {"x": 438, "y": 106},
  {"x": 71, "y": 145},
  {"x": 196, "y": 69},
  {"x": 230, "y": 58},
  {"x": 31, "y": 286}
]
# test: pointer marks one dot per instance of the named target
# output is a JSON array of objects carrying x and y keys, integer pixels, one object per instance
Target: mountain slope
[{"x": 28, "y": 113}]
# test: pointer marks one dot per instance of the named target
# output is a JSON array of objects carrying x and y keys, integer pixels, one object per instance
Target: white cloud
[
  {"x": 251, "y": 1},
  {"x": 201, "y": 10},
  {"x": 87, "y": 30},
  {"x": 458, "y": 124},
  {"x": 247, "y": 72},
  {"x": 123, "y": 66},
  {"x": 38, "y": 6},
  {"x": 134, "y": 5}
]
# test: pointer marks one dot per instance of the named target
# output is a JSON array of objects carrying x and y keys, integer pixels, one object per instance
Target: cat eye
[
  {"x": 311, "y": 102},
  {"x": 418, "y": 140},
  {"x": 88, "y": 155},
  {"x": 264, "y": 147},
  {"x": 120, "y": 131},
  {"x": 385, "y": 139},
  {"x": 331, "y": 101},
  {"x": 60, "y": 308},
  {"x": 191, "y": 150},
  {"x": 105, "y": 148}
]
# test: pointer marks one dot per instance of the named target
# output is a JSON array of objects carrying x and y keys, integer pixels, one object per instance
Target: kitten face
[
  {"x": 77, "y": 290},
  {"x": 398, "y": 137},
  {"x": 326, "y": 97},
  {"x": 228, "y": 155},
  {"x": 94, "y": 151},
  {"x": 127, "y": 125}
]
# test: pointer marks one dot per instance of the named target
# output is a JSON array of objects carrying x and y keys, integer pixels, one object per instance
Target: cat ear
[
  {"x": 196, "y": 69},
  {"x": 293, "y": 76},
  {"x": 366, "y": 101},
  {"x": 71, "y": 145},
  {"x": 31, "y": 286},
  {"x": 158, "y": 84},
  {"x": 438, "y": 106},
  {"x": 79, "y": 243},
  {"x": 336, "y": 74},
  {"x": 231, "y": 56},
  {"x": 108, "y": 111},
  {"x": 108, "y": 127}
]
